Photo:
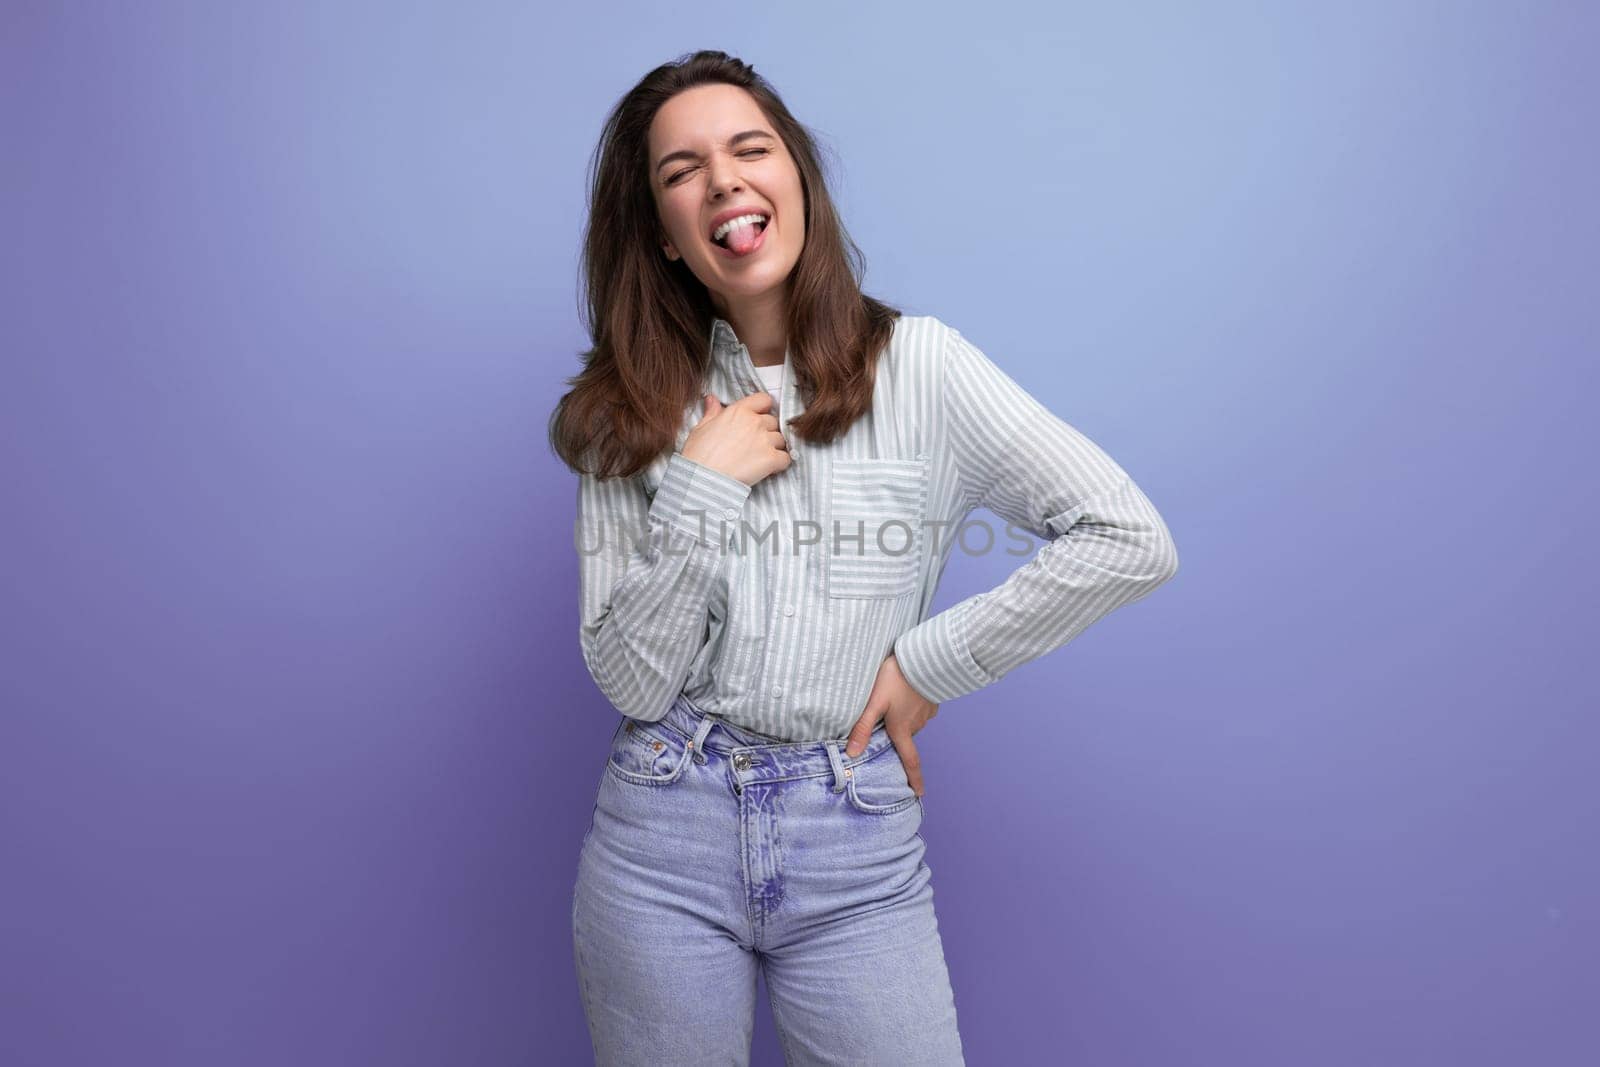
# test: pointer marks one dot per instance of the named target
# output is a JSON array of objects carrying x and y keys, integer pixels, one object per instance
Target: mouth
[{"x": 744, "y": 237}]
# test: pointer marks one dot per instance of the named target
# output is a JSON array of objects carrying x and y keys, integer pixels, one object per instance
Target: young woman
[{"x": 772, "y": 466}]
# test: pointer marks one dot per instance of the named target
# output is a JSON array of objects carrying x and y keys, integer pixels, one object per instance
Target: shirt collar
[
  {"x": 726, "y": 347},
  {"x": 730, "y": 354}
]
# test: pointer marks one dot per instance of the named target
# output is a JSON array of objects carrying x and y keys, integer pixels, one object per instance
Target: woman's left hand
[{"x": 903, "y": 711}]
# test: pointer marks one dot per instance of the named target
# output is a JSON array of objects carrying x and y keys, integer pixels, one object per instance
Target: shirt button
[
  {"x": 730, "y": 513},
  {"x": 777, "y": 690},
  {"x": 788, "y": 609}
]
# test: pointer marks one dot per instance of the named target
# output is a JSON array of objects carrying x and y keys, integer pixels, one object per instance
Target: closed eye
[{"x": 673, "y": 180}]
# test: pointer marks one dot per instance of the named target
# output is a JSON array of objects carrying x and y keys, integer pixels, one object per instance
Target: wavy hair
[{"x": 649, "y": 318}]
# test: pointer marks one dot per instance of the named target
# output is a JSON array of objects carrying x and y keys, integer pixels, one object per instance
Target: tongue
[{"x": 742, "y": 238}]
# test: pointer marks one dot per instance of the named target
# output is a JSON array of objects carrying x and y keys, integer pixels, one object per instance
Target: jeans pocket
[
  {"x": 647, "y": 753},
  {"x": 879, "y": 785},
  {"x": 874, "y": 547}
]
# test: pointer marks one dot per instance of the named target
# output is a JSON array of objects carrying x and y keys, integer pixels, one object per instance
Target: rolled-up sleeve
[
  {"x": 647, "y": 569},
  {"x": 1107, "y": 545}
]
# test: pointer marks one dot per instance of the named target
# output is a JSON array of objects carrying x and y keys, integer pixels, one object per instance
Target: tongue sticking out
[{"x": 742, "y": 238}]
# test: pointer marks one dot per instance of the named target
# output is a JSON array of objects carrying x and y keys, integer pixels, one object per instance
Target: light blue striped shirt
[{"x": 774, "y": 605}]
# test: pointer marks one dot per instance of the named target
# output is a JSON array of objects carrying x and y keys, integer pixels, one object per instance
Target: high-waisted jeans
[{"x": 715, "y": 850}]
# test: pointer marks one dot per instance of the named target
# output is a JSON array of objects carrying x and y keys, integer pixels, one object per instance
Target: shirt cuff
[
  {"x": 697, "y": 499},
  {"x": 935, "y": 658}
]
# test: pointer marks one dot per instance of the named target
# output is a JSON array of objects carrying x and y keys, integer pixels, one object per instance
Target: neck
[{"x": 760, "y": 323}]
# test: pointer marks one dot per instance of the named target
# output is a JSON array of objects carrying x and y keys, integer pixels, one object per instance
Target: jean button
[{"x": 741, "y": 762}]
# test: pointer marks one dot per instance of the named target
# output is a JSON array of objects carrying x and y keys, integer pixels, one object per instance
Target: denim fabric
[{"x": 715, "y": 850}]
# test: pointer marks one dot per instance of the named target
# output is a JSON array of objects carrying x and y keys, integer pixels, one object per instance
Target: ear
[{"x": 670, "y": 249}]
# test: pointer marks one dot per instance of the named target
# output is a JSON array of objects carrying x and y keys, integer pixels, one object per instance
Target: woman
[{"x": 771, "y": 468}]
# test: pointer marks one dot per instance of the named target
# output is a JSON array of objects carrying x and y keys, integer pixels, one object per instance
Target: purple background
[{"x": 298, "y": 746}]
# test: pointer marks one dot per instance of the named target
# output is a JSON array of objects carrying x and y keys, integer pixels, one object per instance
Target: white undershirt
[{"x": 772, "y": 378}]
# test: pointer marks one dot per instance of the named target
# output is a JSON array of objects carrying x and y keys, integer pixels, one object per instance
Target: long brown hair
[{"x": 649, "y": 318}]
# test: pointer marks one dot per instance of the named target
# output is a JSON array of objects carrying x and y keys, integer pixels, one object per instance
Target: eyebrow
[{"x": 684, "y": 153}]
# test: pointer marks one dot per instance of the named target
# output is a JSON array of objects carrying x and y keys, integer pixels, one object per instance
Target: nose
[{"x": 724, "y": 178}]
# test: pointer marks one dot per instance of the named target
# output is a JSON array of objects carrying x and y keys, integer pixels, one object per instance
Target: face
[{"x": 713, "y": 154}]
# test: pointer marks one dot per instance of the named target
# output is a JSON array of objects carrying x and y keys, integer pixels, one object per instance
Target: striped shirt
[{"x": 774, "y": 605}]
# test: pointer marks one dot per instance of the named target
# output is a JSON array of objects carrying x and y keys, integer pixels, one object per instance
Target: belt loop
[
  {"x": 697, "y": 746},
  {"x": 838, "y": 764}
]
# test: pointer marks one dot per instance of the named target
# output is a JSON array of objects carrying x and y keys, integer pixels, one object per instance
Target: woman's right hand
[{"x": 740, "y": 439}]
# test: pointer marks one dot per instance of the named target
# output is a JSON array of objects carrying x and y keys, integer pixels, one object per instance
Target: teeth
[{"x": 722, "y": 231}]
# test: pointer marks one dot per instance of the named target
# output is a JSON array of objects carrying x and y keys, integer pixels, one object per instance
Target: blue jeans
[{"x": 715, "y": 850}]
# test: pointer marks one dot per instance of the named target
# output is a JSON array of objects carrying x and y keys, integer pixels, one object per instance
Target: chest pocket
[{"x": 874, "y": 544}]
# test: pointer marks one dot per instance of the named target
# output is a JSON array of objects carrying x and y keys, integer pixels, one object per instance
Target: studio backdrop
[{"x": 298, "y": 747}]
